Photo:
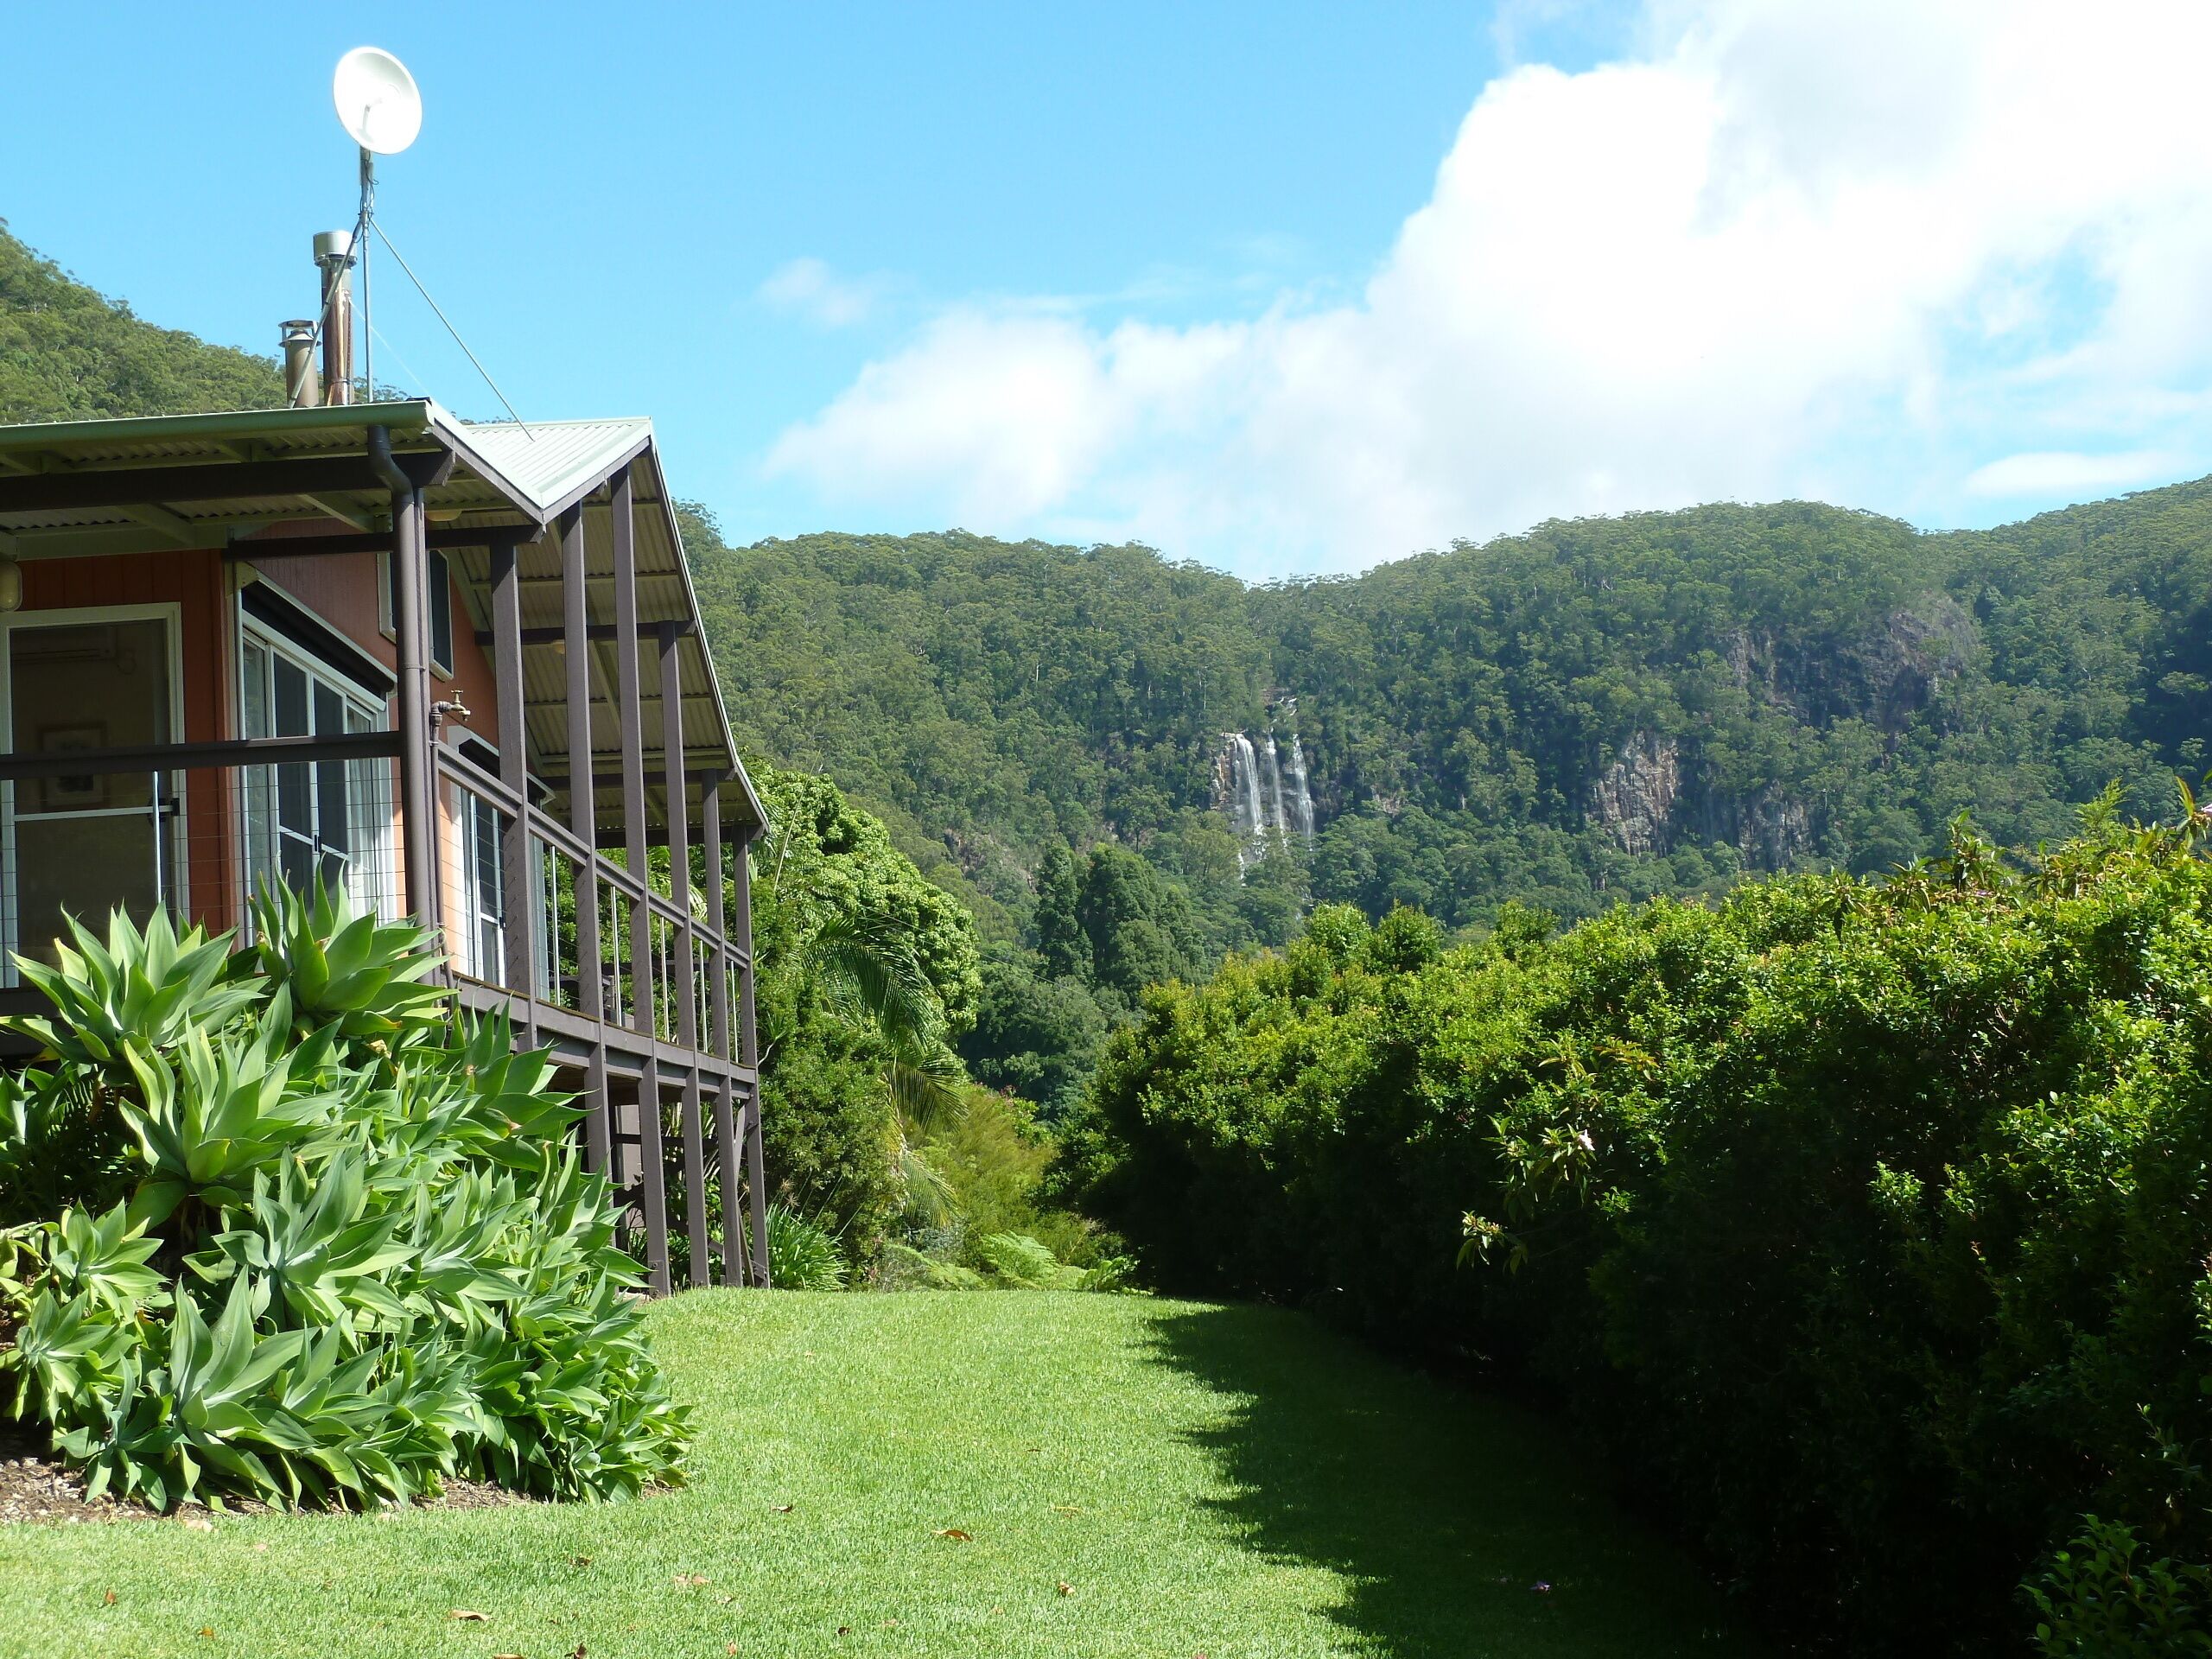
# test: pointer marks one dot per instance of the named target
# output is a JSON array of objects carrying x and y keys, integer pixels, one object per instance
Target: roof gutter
[{"x": 380, "y": 461}]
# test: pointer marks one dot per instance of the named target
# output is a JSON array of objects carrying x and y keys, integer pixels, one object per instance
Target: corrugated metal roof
[
  {"x": 503, "y": 471},
  {"x": 552, "y": 462}
]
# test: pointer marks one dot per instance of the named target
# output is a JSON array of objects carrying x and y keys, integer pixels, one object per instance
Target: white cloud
[
  {"x": 1851, "y": 247},
  {"x": 810, "y": 288},
  {"x": 2048, "y": 473}
]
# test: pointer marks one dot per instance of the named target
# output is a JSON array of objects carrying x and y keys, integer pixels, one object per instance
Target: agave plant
[{"x": 323, "y": 1244}]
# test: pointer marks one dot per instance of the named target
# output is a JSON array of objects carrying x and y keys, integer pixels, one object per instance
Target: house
[{"x": 454, "y": 668}]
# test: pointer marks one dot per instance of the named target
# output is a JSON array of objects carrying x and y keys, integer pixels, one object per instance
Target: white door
[{"x": 81, "y": 845}]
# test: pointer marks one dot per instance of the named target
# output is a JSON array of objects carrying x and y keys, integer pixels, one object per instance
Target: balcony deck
[{"x": 558, "y": 543}]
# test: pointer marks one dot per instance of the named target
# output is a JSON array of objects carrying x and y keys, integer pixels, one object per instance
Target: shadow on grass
[{"x": 1465, "y": 1526}]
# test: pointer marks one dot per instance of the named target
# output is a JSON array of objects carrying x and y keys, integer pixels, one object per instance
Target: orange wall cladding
[
  {"x": 340, "y": 588},
  {"x": 194, "y": 583}
]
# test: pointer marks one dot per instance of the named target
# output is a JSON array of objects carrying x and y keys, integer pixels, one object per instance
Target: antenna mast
[
  {"x": 382, "y": 110},
  {"x": 368, "y": 316}
]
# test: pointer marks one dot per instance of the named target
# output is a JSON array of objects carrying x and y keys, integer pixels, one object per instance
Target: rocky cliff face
[
  {"x": 1635, "y": 796},
  {"x": 1650, "y": 796}
]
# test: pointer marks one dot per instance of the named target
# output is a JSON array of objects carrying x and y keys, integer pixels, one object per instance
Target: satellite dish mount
[{"x": 381, "y": 109}]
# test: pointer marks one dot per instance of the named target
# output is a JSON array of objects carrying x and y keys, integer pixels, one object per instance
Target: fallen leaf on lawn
[
  {"x": 263, "y": 1546},
  {"x": 1543, "y": 1586},
  {"x": 579, "y": 1653},
  {"x": 844, "y": 1630},
  {"x": 957, "y": 1535},
  {"x": 781, "y": 1508},
  {"x": 206, "y": 1631},
  {"x": 731, "y": 1648},
  {"x": 1066, "y": 1589},
  {"x": 507, "y": 1655},
  {"x": 108, "y": 1597},
  {"x": 466, "y": 1617},
  {"x": 1067, "y": 1509},
  {"x": 725, "y": 1601},
  {"x": 579, "y": 1560},
  {"x": 690, "y": 1580},
  {"x": 199, "y": 1523}
]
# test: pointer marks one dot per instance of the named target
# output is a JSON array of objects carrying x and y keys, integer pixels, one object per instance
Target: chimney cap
[{"x": 332, "y": 245}]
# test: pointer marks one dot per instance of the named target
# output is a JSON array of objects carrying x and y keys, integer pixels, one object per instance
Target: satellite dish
[{"x": 376, "y": 101}]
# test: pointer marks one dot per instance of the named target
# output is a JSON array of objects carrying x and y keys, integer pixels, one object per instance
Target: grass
[{"x": 1228, "y": 1481}]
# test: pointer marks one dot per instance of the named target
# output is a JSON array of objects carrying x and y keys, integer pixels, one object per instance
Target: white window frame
[
  {"x": 436, "y": 593},
  {"x": 381, "y": 856},
  {"x": 171, "y": 614},
  {"x": 480, "y": 907}
]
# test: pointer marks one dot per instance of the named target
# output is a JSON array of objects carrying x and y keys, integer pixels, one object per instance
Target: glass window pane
[
  {"x": 294, "y": 799},
  {"x": 333, "y": 811},
  {"x": 487, "y": 860},
  {"x": 440, "y": 598},
  {"x": 99, "y": 685},
  {"x": 253, "y": 668},
  {"x": 85, "y": 864},
  {"x": 291, "y": 700},
  {"x": 295, "y": 861}
]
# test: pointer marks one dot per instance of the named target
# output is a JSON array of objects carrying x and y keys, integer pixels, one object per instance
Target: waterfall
[
  {"x": 1301, "y": 801},
  {"x": 1265, "y": 796},
  {"x": 1251, "y": 822},
  {"x": 1275, "y": 826}
]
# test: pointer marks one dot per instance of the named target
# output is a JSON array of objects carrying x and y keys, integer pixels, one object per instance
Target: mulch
[{"x": 36, "y": 1486}]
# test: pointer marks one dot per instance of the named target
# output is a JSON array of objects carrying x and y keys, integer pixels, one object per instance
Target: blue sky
[{"x": 1281, "y": 286}]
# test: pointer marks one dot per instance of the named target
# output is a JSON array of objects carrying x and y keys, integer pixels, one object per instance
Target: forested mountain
[
  {"x": 1596, "y": 709},
  {"x": 1593, "y": 710},
  {"x": 68, "y": 353}
]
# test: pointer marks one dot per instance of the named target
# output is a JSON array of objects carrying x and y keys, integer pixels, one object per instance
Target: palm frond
[{"x": 929, "y": 1194}]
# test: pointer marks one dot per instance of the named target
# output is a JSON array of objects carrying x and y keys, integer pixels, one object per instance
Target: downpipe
[{"x": 418, "y": 830}]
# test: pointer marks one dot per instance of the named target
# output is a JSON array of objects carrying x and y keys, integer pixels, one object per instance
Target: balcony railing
[{"x": 640, "y": 991}]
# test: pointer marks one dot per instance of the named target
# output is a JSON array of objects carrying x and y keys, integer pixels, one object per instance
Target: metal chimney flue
[
  {"x": 302, "y": 383},
  {"x": 333, "y": 255}
]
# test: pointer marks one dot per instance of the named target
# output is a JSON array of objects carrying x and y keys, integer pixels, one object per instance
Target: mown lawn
[{"x": 1135, "y": 1478}]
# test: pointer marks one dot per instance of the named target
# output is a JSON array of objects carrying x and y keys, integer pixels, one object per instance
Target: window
[
  {"x": 304, "y": 818},
  {"x": 479, "y": 936},
  {"x": 439, "y": 594},
  {"x": 83, "y": 844}
]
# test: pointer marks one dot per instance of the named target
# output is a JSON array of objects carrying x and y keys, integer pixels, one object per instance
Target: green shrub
[
  {"x": 1021, "y": 1261},
  {"x": 802, "y": 1254},
  {"x": 904, "y": 1267},
  {"x": 278, "y": 1230},
  {"x": 1868, "y": 1223},
  {"x": 2096, "y": 1600}
]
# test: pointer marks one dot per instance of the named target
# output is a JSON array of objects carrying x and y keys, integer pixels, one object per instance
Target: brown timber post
[
  {"x": 629, "y": 695},
  {"x": 583, "y": 815},
  {"x": 417, "y": 827},
  {"x": 710, "y": 852},
  {"x": 653, "y": 1199},
  {"x": 684, "y": 992},
  {"x": 748, "y": 1055},
  {"x": 711, "y": 834},
  {"x": 517, "y": 897}
]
